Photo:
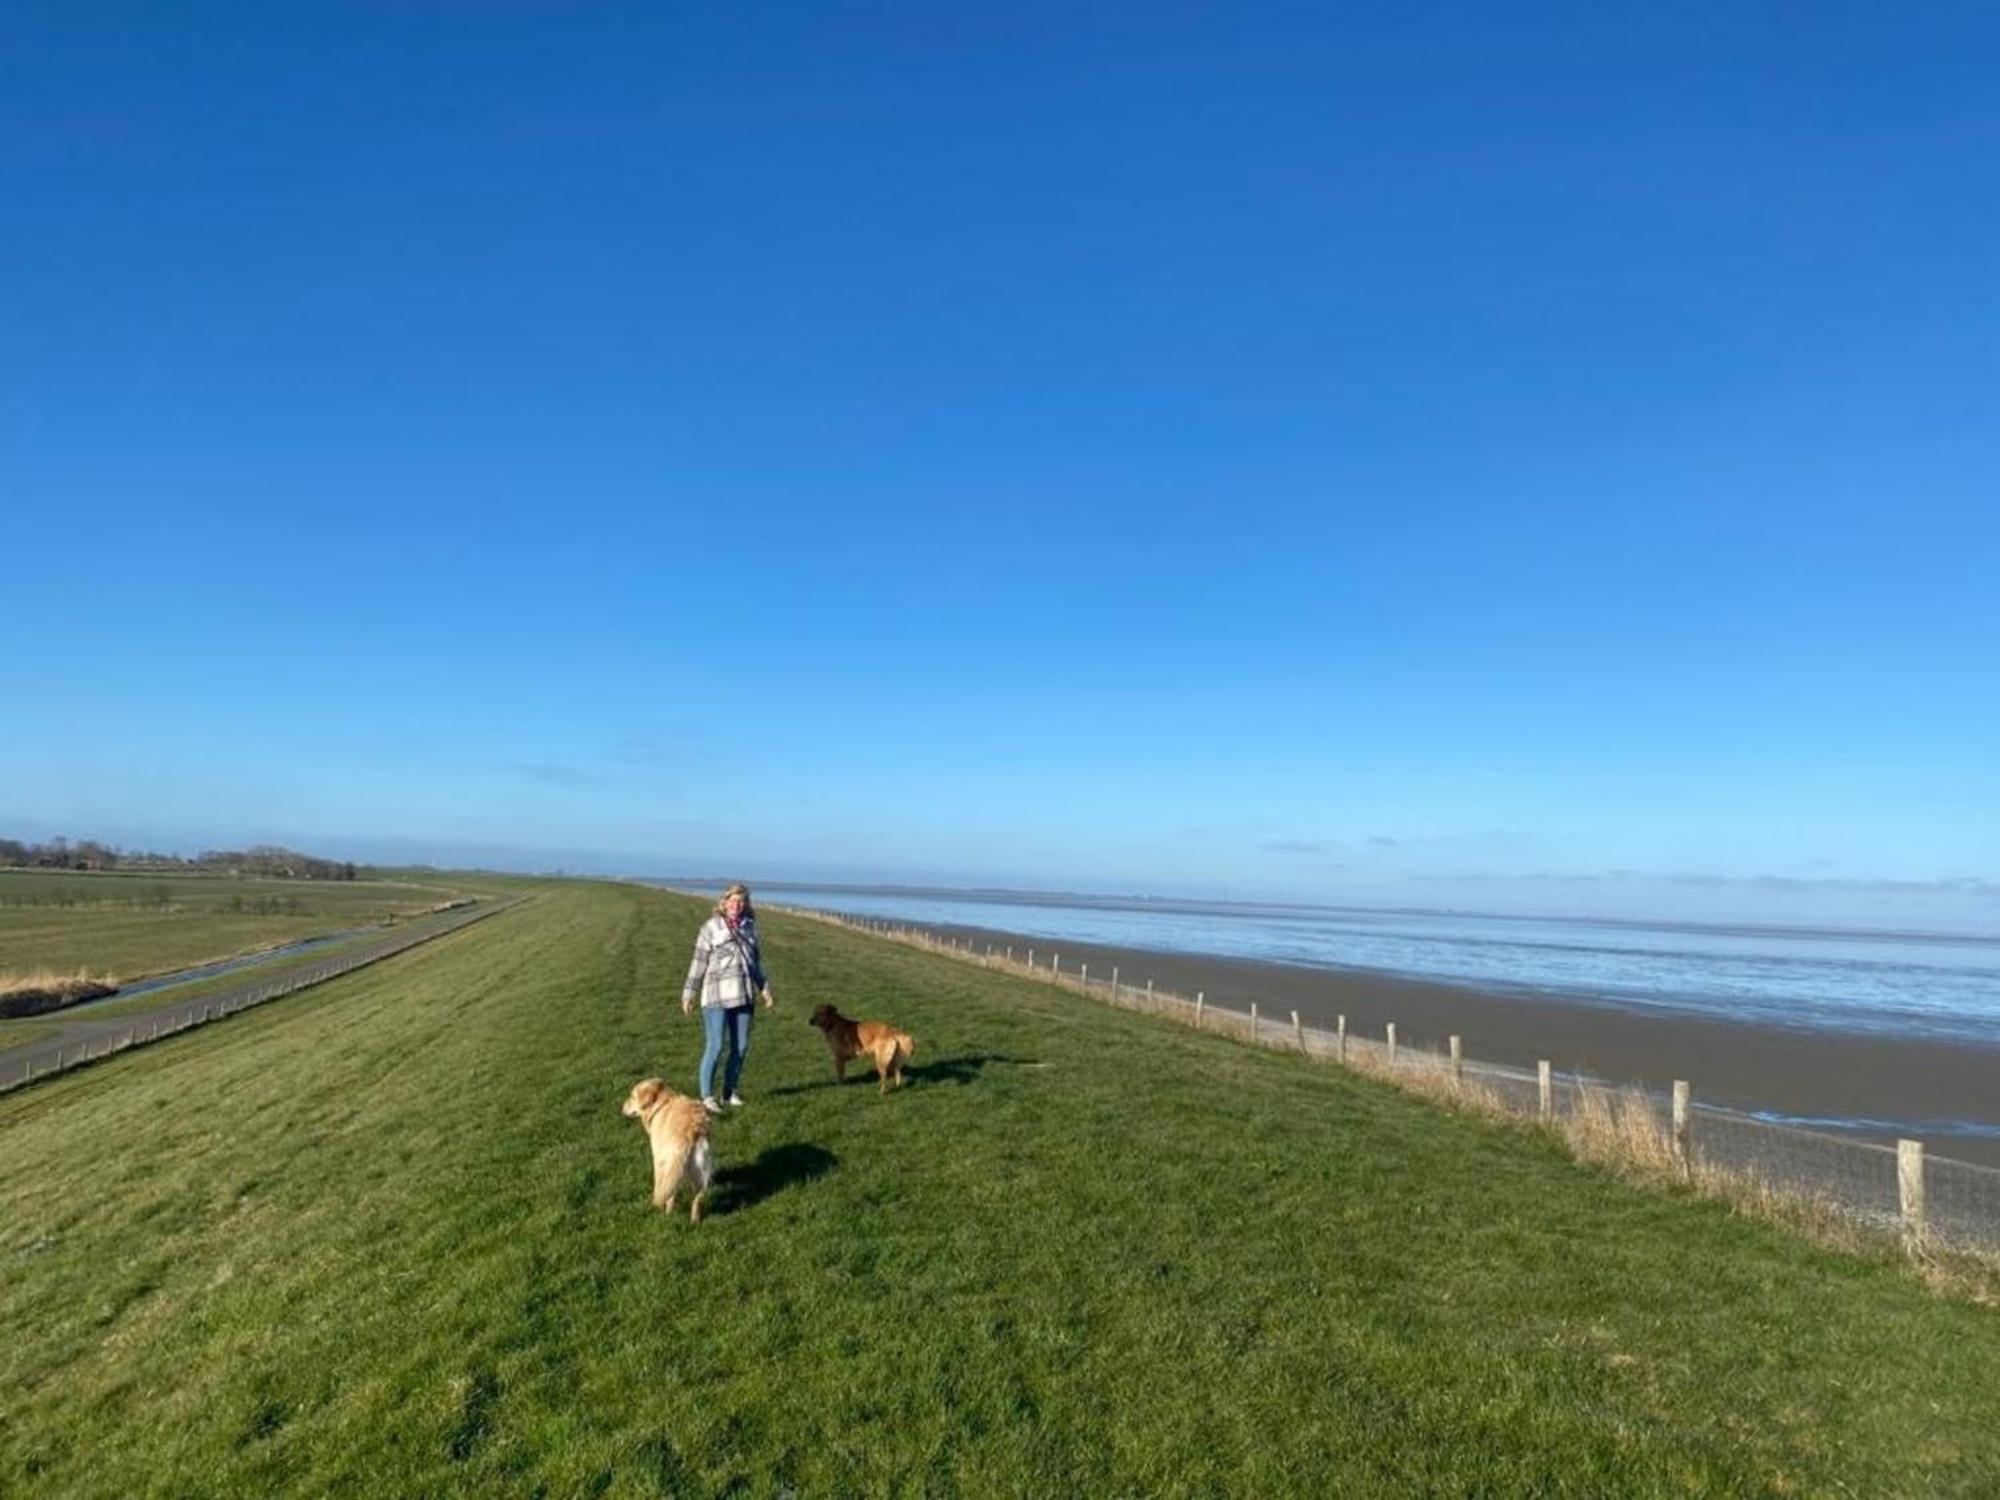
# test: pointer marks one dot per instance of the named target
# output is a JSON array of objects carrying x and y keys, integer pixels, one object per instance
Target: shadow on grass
[
  {"x": 775, "y": 1169},
  {"x": 961, "y": 1069}
]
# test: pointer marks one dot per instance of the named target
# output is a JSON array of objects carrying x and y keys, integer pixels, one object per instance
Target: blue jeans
[{"x": 715, "y": 1020}]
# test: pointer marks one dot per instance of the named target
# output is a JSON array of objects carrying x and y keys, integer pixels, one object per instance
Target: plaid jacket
[{"x": 727, "y": 969}]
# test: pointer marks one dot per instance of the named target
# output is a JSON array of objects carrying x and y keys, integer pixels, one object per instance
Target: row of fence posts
[
  {"x": 298, "y": 979},
  {"x": 1909, "y": 1153},
  {"x": 87, "y": 1051}
]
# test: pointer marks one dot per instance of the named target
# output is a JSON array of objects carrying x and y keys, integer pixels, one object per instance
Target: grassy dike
[{"x": 390, "y": 1236}]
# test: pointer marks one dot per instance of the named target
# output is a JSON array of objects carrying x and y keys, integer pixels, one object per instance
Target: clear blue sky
[{"x": 1522, "y": 456}]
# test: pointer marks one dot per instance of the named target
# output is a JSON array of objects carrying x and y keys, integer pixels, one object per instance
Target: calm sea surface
[{"x": 1898, "y": 983}]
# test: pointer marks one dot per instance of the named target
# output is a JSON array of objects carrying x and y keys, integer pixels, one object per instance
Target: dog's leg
[{"x": 839, "y": 1068}]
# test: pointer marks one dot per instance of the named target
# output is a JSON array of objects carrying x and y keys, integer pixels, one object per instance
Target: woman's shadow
[{"x": 774, "y": 1169}]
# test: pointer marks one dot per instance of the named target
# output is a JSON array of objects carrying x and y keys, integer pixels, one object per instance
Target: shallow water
[{"x": 1875, "y": 983}]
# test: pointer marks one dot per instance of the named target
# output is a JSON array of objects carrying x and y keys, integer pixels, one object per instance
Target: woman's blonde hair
[{"x": 736, "y": 888}]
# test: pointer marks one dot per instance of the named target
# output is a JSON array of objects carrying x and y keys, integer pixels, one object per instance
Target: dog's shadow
[
  {"x": 962, "y": 1069},
  {"x": 775, "y": 1169}
]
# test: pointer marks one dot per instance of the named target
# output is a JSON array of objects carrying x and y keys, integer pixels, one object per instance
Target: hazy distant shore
[{"x": 1815, "y": 1075}]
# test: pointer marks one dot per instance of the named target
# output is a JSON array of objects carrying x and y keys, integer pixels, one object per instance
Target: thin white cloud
[{"x": 550, "y": 773}]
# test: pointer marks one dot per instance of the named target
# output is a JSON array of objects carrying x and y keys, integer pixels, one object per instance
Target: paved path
[{"x": 85, "y": 1038}]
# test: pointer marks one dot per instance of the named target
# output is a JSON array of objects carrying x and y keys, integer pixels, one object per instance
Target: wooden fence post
[
  {"x": 1031, "y": 958},
  {"x": 1681, "y": 1124},
  {"x": 1340, "y": 1035},
  {"x": 1299, "y": 1030},
  {"x": 1457, "y": 1064},
  {"x": 1253, "y": 1023},
  {"x": 1085, "y": 973},
  {"x": 1199, "y": 997},
  {"x": 1910, "y": 1190},
  {"x": 1545, "y": 1076},
  {"x": 1392, "y": 1044},
  {"x": 1114, "y": 981},
  {"x": 1149, "y": 994}
]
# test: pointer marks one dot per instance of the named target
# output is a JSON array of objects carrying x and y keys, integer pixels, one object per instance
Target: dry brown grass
[
  {"x": 1619, "y": 1128},
  {"x": 50, "y": 982}
]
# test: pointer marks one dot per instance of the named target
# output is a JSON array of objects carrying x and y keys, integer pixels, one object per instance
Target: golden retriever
[
  {"x": 878, "y": 1041},
  {"x": 677, "y": 1126}
]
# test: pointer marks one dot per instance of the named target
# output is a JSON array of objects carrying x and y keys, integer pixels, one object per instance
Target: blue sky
[{"x": 1533, "y": 457}]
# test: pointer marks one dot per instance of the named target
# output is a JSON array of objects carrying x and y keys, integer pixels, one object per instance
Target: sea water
[{"x": 1884, "y": 983}]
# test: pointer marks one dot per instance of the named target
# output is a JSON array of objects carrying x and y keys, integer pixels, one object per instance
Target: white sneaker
[
  {"x": 708, "y": 1103},
  {"x": 734, "y": 1101}
]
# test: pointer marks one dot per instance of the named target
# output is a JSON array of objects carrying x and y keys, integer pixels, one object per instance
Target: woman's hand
[
  {"x": 687, "y": 1006},
  {"x": 770, "y": 1000}
]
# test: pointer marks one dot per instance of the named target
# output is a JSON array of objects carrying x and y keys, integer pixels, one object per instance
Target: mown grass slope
[{"x": 391, "y": 1236}]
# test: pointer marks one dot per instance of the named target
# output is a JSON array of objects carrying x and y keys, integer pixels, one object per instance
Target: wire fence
[
  {"x": 1932, "y": 1202},
  {"x": 33, "y": 1063}
]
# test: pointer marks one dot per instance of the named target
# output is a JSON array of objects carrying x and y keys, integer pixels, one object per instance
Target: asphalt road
[{"x": 85, "y": 1038}]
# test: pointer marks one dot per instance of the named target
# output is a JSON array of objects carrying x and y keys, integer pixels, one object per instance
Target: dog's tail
[
  {"x": 702, "y": 1162},
  {"x": 689, "y": 1151},
  {"x": 669, "y": 1171}
]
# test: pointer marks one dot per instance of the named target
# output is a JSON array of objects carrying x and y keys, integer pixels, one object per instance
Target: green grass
[
  {"x": 137, "y": 924},
  {"x": 391, "y": 1237},
  {"x": 257, "y": 973},
  {"x": 19, "y": 1032},
  {"x": 14, "y": 1033}
]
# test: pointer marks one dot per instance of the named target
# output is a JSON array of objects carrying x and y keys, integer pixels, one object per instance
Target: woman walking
[{"x": 728, "y": 974}]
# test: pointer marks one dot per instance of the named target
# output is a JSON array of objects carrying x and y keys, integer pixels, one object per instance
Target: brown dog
[
  {"x": 878, "y": 1041},
  {"x": 677, "y": 1126}
]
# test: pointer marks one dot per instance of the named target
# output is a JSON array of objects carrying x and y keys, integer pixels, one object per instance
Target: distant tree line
[{"x": 266, "y": 860}]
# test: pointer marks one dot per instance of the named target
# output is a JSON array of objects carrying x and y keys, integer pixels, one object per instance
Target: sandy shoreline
[{"x": 1814, "y": 1074}]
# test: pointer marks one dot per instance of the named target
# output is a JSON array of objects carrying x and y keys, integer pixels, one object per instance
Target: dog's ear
[{"x": 643, "y": 1096}]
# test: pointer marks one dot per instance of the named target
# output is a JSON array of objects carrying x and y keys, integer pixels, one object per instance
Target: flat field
[
  {"x": 130, "y": 925},
  {"x": 390, "y": 1236}
]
